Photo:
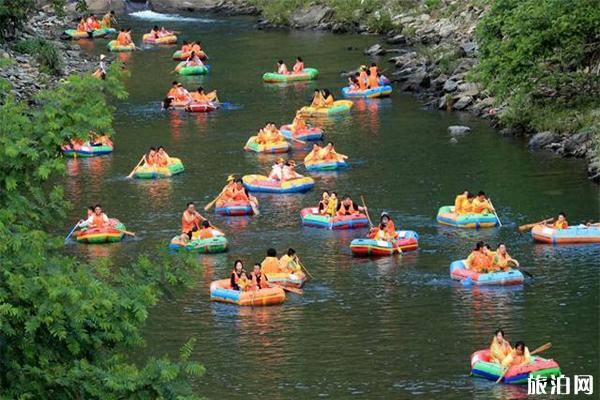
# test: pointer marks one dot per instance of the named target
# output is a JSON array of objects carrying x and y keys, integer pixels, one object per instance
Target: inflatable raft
[
  {"x": 217, "y": 244},
  {"x": 338, "y": 107},
  {"x": 447, "y": 216},
  {"x": 114, "y": 46},
  {"x": 459, "y": 272},
  {"x": 193, "y": 70},
  {"x": 308, "y": 74},
  {"x": 303, "y": 134},
  {"x": 288, "y": 280},
  {"x": 86, "y": 151},
  {"x": 572, "y": 235},
  {"x": 149, "y": 172},
  {"x": 381, "y": 91},
  {"x": 311, "y": 217},
  {"x": 221, "y": 291},
  {"x": 482, "y": 366},
  {"x": 406, "y": 241},
  {"x": 180, "y": 56},
  {"x": 149, "y": 38},
  {"x": 261, "y": 183},
  {"x": 325, "y": 165},
  {"x": 273, "y": 147},
  {"x": 110, "y": 234},
  {"x": 200, "y": 107},
  {"x": 234, "y": 208},
  {"x": 97, "y": 33}
]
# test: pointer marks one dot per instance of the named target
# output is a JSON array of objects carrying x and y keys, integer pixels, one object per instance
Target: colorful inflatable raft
[
  {"x": 572, "y": 235},
  {"x": 152, "y": 172},
  {"x": 151, "y": 39},
  {"x": 200, "y": 107},
  {"x": 311, "y": 217},
  {"x": 406, "y": 241},
  {"x": 325, "y": 165},
  {"x": 217, "y": 244},
  {"x": 381, "y": 91},
  {"x": 447, "y": 216},
  {"x": 261, "y": 183},
  {"x": 221, "y": 291},
  {"x": 308, "y": 74},
  {"x": 113, "y": 45},
  {"x": 110, "y": 234},
  {"x": 285, "y": 279},
  {"x": 86, "y": 150},
  {"x": 181, "y": 69},
  {"x": 97, "y": 33},
  {"x": 338, "y": 107},
  {"x": 302, "y": 134},
  {"x": 234, "y": 208},
  {"x": 482, "y": 366},
  {"x": 459, "y": 272},
  {"x": 180, "y": 56},
  {"x": 272, "y": 147}
]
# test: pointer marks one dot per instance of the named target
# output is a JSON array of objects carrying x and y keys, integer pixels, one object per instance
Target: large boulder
[
  {"x": 311, "y": 16},
  {"x": 450, "y": 85},
  {"x": 419, "y": 80},
  {"x": 578, "y": 144},
  {"x": 462, "y": 102},
  {"x": 375, "y": 50},
  {"x": 100, "y": 6},
  {"x": 543, "y": 139}
]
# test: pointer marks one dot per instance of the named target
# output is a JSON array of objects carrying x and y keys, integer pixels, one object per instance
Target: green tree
[
  {"x": 13, "y": 14},
  {"x": 66, "y": 326}
]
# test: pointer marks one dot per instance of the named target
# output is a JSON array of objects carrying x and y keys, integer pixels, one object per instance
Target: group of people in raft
[
  {"x": 194, "y": 53},
  {"x": 484, "y": 260},
  {"x": 298, "y": 68},
  {"x": 156, "y": 157},
  {"x": 366, "y": 78},
  {"x": 182, "y": 97},
  {"x": 325, "y": 153},
  {"x": 284, "y": 170},
  {"x": 96, "y": 218},
  {"x": 91, "y": 23},
  {"x": 257, "y": 279},
  {"x": 95, "y": 140},
  {"x": 469, "y": 203}
]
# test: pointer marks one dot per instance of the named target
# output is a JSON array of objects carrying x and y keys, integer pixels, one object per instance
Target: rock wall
[
  {"x": 102, "y": 6},
  {"x": 231, "y": 7}
]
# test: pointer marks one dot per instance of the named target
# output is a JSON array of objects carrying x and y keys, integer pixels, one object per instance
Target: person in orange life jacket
[
  {"x": 349, "y": 207},
  {"x": 328, "y": 99},
  {"x": 390, "y": 227},
  {"x": 270, "y": 264},
  {"x": 478, "y": 260},
  {"x": 205, "y": 231},
  {"x": 238, "y": 280},
  {"x": 190, "y": 219},
  {"x": 373, "y": 69},
  {"x": 362, "y": 75},
  {"x": 299, "y": 66},
  {"x": 162, "y": 157},
  {"x": 282, "y": 68},
  {"x": 151, "y": 159},
  {"x": 467, "y": 205},
  {"x": 328, "y": 153},
  {"x": 98, "y": 219},
  {"x": 372, "y": 80},
  {"x": 481, "y": 205},
  {"x": 561, "y": 222},
  {"x": 257, "y": 279},
  {"x": 459, "y": 200},
  {"x": 518, "y": 356}
]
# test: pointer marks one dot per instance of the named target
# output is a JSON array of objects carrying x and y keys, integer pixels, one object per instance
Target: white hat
[{"x": 102, "y": 56}]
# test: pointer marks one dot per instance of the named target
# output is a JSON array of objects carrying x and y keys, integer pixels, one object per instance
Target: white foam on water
[{"x": 154, "y": 16}]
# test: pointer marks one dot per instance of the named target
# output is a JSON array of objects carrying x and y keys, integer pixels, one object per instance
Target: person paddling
[
  {"x": 518, "y": 356},
  {"x": 98, "y": 219},
  {"x": 289, "y": 262},
  {"x": 348, "y": 207},
  {"x": 501, "y": 260},
  {"x": 561, "y": 222},
  {"x": 500, "y": 347},
  {"x": 190, "y": 219}
]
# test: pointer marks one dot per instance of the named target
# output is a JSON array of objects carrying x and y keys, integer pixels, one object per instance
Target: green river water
[{"x": 393, "y": 327}]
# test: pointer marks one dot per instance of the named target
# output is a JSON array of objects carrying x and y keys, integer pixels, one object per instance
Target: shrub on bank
[{"x": 44, "y": 51}]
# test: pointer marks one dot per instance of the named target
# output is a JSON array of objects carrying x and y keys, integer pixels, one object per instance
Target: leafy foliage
[
  {"x": 45, "y": 52},
  {"x": 64, "y": 325},
  {"x": 13, "y": 14}
]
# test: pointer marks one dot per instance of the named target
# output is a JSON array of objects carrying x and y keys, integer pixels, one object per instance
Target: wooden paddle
[
  {"x": 514, "y": 264},
  {"x": 212, "y": 203},
  {"x": 305, "y": 270},
  {"x": 527, "y": 227},
  {"x": 297, "y": 140},
  {"x": 494, "y": 210},
  {"x": 73, "y": 230},
  {"x": 127, "y": 232},
  {"x": 367, "y": 210},
  {"x": 134, "y": 168},
  {"x": 543, "y": 347},
  {"x": 287, "y": 289}
]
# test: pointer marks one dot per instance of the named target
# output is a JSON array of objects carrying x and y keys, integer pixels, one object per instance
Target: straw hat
[
  {"x": 230, "y": 178},
  {"x": 102, "y": 57}
]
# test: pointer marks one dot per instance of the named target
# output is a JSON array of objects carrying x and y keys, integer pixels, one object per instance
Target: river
[{"x": 393, "y": 327}]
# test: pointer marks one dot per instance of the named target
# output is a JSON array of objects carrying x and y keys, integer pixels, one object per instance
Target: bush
[
  {"x": 45, "y": 53},
  {"x": 13, "y": 13}
]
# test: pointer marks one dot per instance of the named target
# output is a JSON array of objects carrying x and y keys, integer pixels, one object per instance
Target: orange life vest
[
  {"x": 187, "y": 224},
  {"x": 123, "y": 39},
  {"x": 98, "y": 220},
  {"x": 270, "y": 265},
  {"x": 205, "y": 233},
  {"x": 258, "y": 282},
  {"x": 347, "y": 210},
  {"x": 373, "y": 81},
  {"x": 561, "y": 225}
]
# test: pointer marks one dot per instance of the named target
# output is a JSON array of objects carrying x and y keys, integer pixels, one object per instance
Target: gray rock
[
  {"x": 484, "y": 103},
  {"x": 453, "y": 140},
  {"x": 469, "y": 48},
  {"x": 462, "y": 103},
  {"x": 455, "y": 130},
  {"x": 376, "y": 49},
  {"x": 311, "y": 16},
  {"x": 465, "y": 65},
  {"x": 444, "y": 102},
  {"x": 404, "y": 73},
  {"x": 417, "y": 81},
  {"x": 397, "y": 39},
  {"x": 450, "y": 85},
  {"x": 578, "y": 144},
  {"x": 438, "y": 83},
  {"x": 543, "y": 139}
]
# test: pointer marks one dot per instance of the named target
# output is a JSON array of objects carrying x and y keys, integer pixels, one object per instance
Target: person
[
  {"x": 478, "y": 260},
  {"x": 183, "y": 96},
  {"x": 92, "y": 23},
  {"x": 459, "y": 201},
  {"x": 257, "y": 279},
  {"x": 163, "y": 32},
  {"x": 353, "y": 85},
  {"x": 185, "y": 48},
  {"x": 99, "y": 140},
  {"x": 200, "y": 97},
  {"x": 328, "y": 153},
  {"x": 373, "y": 69},
  {"x": 282, "y": 68},
  {"x": 277, "y": 170},
  {"x": 82, "y": 26},
  {"x": 205, "y": 231},
  {"x": 383, "y": 80},
  {"x": 328, "y": 98},
  {"x": 238, "y": 280},
  {"x": 322, "y": 207},
  {"x": 174, "y": 92},
  {"x": 372, "y": 80},
  {"x": 518, "y": 356},
  {"x": 561, "y": 222},
  {"x": 98, "y": 219},
  {"x": 193, "y": 60},
  {"x": 190, "y": 219},
  {"x": 289, "y": 262},
  {"x": 481, "y": 205},
  {"x": 108, "y": 19},
  {"x": 299, "y": 65},
  {"x": 240, "y": 193},
  {"x": 467, "y": 206},
  {"x": 314, "y": 154},
  {"x": 101, "y": 71},
  {"x": 500, "y": 347},
  {"x": 317, "y": 100},
  {"x": 151, "y": 159},
  {"x": 380, "y": 232},
  {"x": 390, "y": 227},
  {"x": 270, "y": 264},
  {"x": 501, "y": 260},
  {"x": 128, "y": 35},
  {"x": 332, "y": 205},
  {"x": 362, "y": 77},
  {"x": 289, "y": 171},
  {"x": 349, "y": 207},
  {"x": 123, "y": 38},
  {"x": 298, "y": 124},
  {"x": 162, "y": 158},
  {"x": 83, "y": 223},
  {"x": 155, "y": 32}
]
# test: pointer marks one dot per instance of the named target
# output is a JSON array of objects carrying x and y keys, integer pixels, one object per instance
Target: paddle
[
  {"x": 367, "y": 210},
  {"x": 212, "y": 203},
  {"x": 305, "y": 270},
  {"x": 514, "y": 264},
  {"x": 287, "y": 289},
  {"x": 127, "y": 232},
  {"x": 297, "y": 140},
  {"x": 543, "y": 347},
  {"x": 73, "y": 230},
  {"x": 134, "y": 168},
  {"x": 495, "y": 214},
  {"x": 527, "y": 227},
  {"x": 254, "y": 205}
]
